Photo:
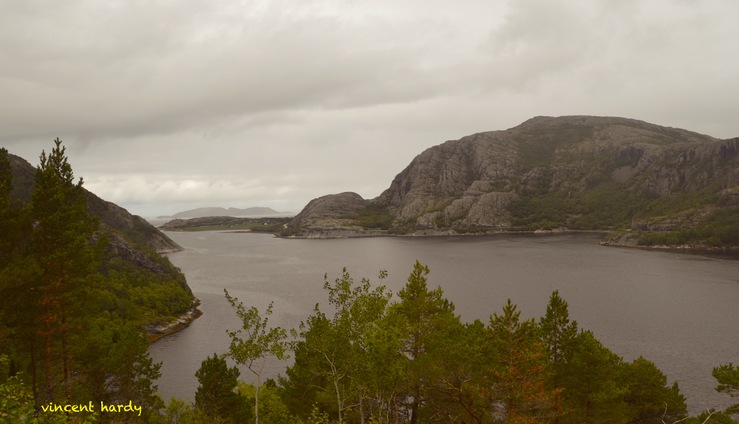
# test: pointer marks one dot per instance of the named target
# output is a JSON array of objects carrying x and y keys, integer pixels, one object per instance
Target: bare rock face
[
  {"x": 484, "y": 182},
  {"x": 334, "y": 214},
  {"x": 444, "y": 183}
]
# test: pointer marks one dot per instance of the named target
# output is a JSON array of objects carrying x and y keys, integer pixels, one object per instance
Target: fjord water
[{"x": 679, "y": 311}]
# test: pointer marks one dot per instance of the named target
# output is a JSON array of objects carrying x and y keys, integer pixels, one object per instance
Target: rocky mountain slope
[
  {"x": 573, "y": 172},
  {"x": 131, "y": 238}
]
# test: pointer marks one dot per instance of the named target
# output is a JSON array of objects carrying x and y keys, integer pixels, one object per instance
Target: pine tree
[
  {"x": 649, "y": 398},
  {"x": 425, "y": 322},
  {"x": 61, "y": 247},
  {"x": 215, "y": 395},
  {"x": 558, "y": 332},
  {"x": 727, "y": 376},
  {"x": 593, "y": 391},
  {"x": 6, "y": 186},
  {"x": 520, "y": 375}
]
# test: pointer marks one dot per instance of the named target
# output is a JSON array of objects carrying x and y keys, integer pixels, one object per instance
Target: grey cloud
[
  {"x": 237, "y": 102},
  {"x": 91, "y": 79}
]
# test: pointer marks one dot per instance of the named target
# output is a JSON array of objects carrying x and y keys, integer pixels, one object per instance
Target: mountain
[
  {"x": 217, "y": 211},
  {"x": 572, "y": 172},
  {"x": 131, "y": 238}
]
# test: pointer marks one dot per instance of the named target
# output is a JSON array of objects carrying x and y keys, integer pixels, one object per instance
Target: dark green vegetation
[
  {"x": 76, "y": 294},
  {"x": 227, "y": 223},
  {"x": 374, "y": 217},
  {"x": 369, "y": 358}
]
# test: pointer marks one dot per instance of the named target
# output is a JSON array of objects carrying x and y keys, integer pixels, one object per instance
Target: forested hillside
[{"x": 77, "y": 294}]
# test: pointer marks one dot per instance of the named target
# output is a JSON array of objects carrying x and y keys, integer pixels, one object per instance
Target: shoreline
[
  {"x": 158, "y": 331},
  {"x": 729, "y": 252},
  {"x": 341, "y": 234}
]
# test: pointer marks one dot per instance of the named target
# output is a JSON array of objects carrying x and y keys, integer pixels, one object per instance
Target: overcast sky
[{"x": 170, "y": 105}]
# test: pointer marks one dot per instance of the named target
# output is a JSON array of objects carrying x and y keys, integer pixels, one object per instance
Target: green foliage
[
  {"x": 177, "y": 411},
  {"x": 605, "y": 206},
  {"x": 115, "y": 367},
  {"x": 610, "y": 205},
  {"x": 593, "y": 393},
  {"x": 425, "y": 322},
  {"x": 719, "y": 230},
  {"x": 216, "y": 395},
  {"x": 558, "y": 333},
  {"x": 520, "y": 373},
  {"x": 373, "y": 216},
  {"x": 255, "y": 341},
  {"x": 16, "y": 401},
  {"x": 727, "y": 377},
  {"x": 138, "y": 295},
  {"x": 412, "y": 361},
  {"x": 339, "y": 360},
  {"x": 666, "y": 205},
  {"x": 649, "y": 399},
  {"x": 272, "y": 410},
  {"x": 68, "y": 332}
]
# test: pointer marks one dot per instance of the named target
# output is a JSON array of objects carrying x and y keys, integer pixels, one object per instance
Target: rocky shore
[{"x": 157, "y": 331}]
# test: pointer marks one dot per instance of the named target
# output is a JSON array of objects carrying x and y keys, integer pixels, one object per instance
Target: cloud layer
[{"x": 166, "y": 105}]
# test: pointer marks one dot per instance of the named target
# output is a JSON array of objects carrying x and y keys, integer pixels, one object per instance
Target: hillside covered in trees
[{"x": 77, "y": 294}]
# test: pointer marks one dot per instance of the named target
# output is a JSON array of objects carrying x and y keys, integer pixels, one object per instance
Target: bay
[{"x": 679, "y": 311}]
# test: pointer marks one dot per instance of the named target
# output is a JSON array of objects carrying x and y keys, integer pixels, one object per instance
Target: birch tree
[{"x": 255, "y": 341}]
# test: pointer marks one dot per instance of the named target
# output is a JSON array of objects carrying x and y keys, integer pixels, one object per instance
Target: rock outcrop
[
  {"x": 578, "y": 172},
  {"x": 333, "y": 215}
]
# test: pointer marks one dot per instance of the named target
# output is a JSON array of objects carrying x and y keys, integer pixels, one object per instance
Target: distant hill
[
  {"x": 218, "y": 211},
  {"x": 651, "y": 185}
]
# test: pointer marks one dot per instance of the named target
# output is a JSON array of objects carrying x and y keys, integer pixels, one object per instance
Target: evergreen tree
[
  {"x": 558, "y": 333},
  {"x": 60, "y": 244},
  {"x": 132, "y": 371},
  {"x": 727, "y": 377},
  {"x": 593, "y": 390},
  {"x": 16, "y": 270},
  {"x": 216, "y": 395},
  {"x": 520, "y": 375},
  {"x": 649, "y": 398},
  {"x": 7, "y": 229},
  {"x": 425, "y": 323}
]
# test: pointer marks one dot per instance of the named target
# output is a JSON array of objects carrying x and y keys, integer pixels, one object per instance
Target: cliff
[{"x": 574, "y": 172}]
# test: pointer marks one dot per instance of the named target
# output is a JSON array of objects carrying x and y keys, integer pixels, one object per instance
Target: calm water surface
[{"x": 679, "y": 311}]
